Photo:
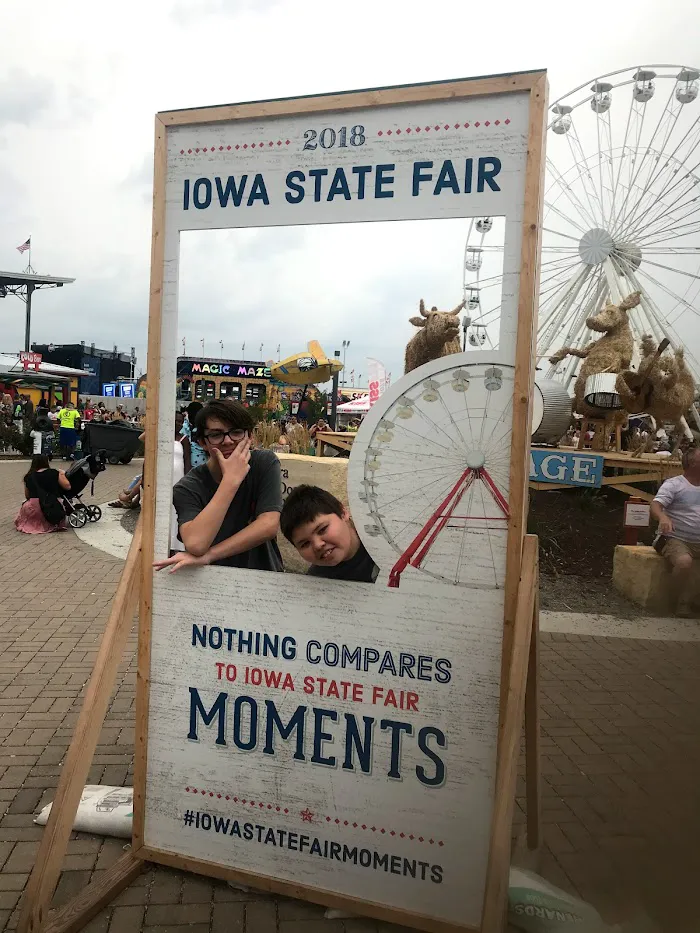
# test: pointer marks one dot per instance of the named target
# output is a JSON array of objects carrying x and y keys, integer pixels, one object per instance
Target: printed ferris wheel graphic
[{"x": 434, "y": 480}]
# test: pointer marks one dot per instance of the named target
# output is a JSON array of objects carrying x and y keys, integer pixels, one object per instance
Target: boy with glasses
[{"x": 228, "y": 508}]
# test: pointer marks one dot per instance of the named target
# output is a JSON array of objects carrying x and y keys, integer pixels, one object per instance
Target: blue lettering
[
  {"x": 199, "y": 635},
  {"x": 320, "y": 736},
  {"x": 292, "y": 179},
  {"x": 353, "y": 739},
  {"x": 419, "y": 175},
  {"x": 297, "y": 722},
  {"x": 258, "y": 192},
  {"x": 396, "y": 729},
  {"x": 315, "y": 644},
  {"x": 380, "y": 180},
  {"x": 199, "y": 202},
  {"x": 439, "y": 777},
  {"x": 339, "y": 185},
  {"x": 443, "y": 671},
  {"x": 252, "y": 739},
  {"x": 230, "y": 191},
  {"x": 317, "y": 174},
  {"x": 447, "y": 178},
  {"x": 468, "y": 172},
  {"x": 487, "y": 175},
  {"x": 362, "y": 171},
  {"x": 218, "y": 709},
  {"x": 186, "y": 196}
]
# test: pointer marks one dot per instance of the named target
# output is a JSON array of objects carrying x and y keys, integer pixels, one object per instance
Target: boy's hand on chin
[{"x": 235, "y": 467}]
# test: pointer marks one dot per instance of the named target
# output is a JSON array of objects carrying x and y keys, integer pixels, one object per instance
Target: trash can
[{"x": 117, "y": 438}]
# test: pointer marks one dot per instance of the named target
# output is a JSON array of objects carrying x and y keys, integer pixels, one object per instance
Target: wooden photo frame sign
[{"x": 520, "y": 561}]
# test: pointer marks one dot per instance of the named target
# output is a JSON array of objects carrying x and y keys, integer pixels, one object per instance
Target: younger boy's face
[{"x": 326, "y": 541}]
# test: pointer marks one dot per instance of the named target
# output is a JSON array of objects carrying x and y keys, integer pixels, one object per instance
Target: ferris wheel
[
  {"x": 428, "y": 476},
  {"x": 621, "y": 214}
]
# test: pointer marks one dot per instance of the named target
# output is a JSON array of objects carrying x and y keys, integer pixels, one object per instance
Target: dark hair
[
  {"x": 227, "y": 410},
  {"x": 192, "y": 410},
  {"x": 39, "y": 462},
  {"x": 687, "y": 456},
  {"x": 304, "y": 504}
]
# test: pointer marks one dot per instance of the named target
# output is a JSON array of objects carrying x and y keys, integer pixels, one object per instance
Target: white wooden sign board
[{"x": 341, "y": 738}]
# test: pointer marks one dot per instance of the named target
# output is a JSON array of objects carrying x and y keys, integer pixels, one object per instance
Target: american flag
[{"x": 25, "y": 246}]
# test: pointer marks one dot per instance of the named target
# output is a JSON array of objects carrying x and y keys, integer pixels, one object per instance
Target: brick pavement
[{"x": 620, "y": 745}]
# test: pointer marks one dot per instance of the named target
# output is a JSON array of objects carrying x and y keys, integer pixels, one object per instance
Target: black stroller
[{"x": 80, "y": 474}]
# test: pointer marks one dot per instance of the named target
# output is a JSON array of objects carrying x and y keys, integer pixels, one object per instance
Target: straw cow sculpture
[
  {"x": 438, "y": 336},
  {"x": 668, "y": 388},
  {"x": 611, "y": 353}
]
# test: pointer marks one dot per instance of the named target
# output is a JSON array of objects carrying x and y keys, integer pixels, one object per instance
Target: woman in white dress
[{"x": 182, "y": 464}]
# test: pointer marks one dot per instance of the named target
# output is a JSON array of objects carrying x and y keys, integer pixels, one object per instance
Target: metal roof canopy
[
  {"x": 17, "y": 279},
  {"x": 23, "y": 285}
]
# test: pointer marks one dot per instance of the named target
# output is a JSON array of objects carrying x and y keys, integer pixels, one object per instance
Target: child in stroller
[{"x": 79, "y": 475}]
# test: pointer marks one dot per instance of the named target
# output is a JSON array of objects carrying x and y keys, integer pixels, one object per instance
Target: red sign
[
  {"x": 30, "y": 360},
  {"x": 374, "y": 391}
]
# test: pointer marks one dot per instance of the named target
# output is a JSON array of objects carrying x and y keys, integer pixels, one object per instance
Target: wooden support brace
[
  {"x": 54, "y": 841},
  {"x": 75, "y": 914}
]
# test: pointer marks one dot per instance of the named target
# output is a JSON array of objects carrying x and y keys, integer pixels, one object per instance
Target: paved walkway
[{"x": 621, "y": 720}]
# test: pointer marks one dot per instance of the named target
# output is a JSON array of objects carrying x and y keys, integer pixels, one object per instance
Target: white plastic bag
[
  {"x": 107, "y": 811},
  {"x": 536, "y": 906}
]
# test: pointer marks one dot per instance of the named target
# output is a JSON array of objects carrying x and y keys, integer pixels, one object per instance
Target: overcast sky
[{"x": 80, "y": 83}]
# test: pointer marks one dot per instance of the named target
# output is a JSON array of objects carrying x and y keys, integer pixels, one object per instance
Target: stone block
[{"x": 642, "y": 576}]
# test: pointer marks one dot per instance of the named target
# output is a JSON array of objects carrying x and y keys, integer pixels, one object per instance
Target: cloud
[{"x": 24, "y": 97}]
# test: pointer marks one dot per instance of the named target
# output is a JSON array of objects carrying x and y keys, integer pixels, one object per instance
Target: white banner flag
[{"x": 377, "y": 379}]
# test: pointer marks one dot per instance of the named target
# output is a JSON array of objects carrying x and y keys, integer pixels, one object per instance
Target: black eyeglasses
[{"x": 217, "y": 437}]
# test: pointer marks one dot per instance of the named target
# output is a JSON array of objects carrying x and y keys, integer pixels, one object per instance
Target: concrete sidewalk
[{"x": 620, "y": 747}]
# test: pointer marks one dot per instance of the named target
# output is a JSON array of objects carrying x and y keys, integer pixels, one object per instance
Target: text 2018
[{"x": 328, "y": 137}]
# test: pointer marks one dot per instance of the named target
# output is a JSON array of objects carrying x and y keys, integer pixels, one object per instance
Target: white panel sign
[
  {"x": 452, "y": 158},
  {"x": 342, "y": 736}
]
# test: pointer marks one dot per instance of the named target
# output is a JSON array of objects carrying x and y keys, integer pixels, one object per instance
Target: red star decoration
[{"x": 306, "y": 816}]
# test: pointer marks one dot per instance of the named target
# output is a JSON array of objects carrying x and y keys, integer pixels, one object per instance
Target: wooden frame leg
[
  {"x": 54, "y": 841},
  {"x": 533, "y": 774},
  {"x": 496, "y": 896}
]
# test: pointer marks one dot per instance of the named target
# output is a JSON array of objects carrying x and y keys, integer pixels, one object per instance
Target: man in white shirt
[{"x": 676, "y": 508}]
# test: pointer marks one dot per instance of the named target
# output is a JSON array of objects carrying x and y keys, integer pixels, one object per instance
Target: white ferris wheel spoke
[
  {"x": 585, "y": 177},
  {"x": 674, "y": 157},
  {"x": 638, "y": 168},
  {"x": 587, "y": 215}
]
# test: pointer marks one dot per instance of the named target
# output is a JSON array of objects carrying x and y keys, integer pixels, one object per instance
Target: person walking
[{"x": 676, "y": 507}]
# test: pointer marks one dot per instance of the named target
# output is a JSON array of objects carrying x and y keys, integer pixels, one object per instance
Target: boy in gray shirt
[{"x": 228, "y": 508}]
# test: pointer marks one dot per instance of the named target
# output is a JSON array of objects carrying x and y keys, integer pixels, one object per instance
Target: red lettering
[
  {"x": 288, "y": 682},
  {"x": 272, "y": 678},
  {"x": 412, "y": 701},
  {"x": 390, "y": 698},
  {"x": 256, "y": 676},
  {"x": 333, "y": 690},
  {"x": 357, "y": 693},
  {"x": 219, "y": 665},
  {"x": 308, "y": 685}
]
